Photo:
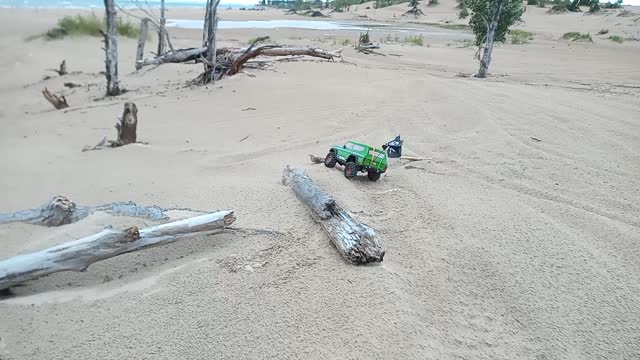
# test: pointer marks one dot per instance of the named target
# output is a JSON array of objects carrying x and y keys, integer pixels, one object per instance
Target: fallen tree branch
[
  {"x": 230, "y": 61},
  {"x": 58, "y": 102},
  {"x": 179, "y": 56},
  {"x": 77, "y": 255},
  {"x": 356, "y": 242},
  {"x": 61, "y": 211}
]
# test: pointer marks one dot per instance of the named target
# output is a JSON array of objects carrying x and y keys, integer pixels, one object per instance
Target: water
[
  {"x": 311, "y": 25},
  {"x": 275, "y": 24}
]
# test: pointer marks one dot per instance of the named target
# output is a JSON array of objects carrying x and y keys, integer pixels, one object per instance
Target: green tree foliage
[{"x": 483, "y": 12}]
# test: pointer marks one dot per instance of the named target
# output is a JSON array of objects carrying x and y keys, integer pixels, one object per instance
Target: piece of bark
[
  {"x": 77, "y": 255},
  {"x": 356, "y": 242},
  {"x": 58, "y": 102}
]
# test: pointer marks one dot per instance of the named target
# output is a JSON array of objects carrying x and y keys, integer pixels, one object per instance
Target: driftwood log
[
  {"x": 77, "y": 255},
  {"x": 58, "y": 102},
  {"x": 356, "y": 242},
  {"x": 61, "y": 211}
]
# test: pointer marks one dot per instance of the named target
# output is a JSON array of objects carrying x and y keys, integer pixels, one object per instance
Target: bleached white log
[
  {"x": 61, "y": 211},
  {"x": 357, "y": 242},
  {"x": 77, "y": 255}
]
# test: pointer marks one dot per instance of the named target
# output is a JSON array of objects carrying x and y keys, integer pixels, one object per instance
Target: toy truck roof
[{"x": 365, "y": 146}]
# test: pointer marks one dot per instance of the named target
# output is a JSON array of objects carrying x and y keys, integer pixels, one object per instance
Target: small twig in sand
[
  {"x": 535, "y": 139},
  {"x": 249, "y": 108},
  {"x": 244, "y": 138},
  {"x": 97, "y": 146}
]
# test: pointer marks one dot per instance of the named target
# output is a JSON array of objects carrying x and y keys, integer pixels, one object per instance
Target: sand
[{"x": 498, "y": 246}]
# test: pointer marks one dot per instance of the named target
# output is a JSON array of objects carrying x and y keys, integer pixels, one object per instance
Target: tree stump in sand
[
  {"x": 128, "y": 124},
  {"x": 62, "y": 69}
]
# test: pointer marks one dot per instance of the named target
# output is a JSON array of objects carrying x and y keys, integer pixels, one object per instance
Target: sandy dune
[{"x": 498, "y": 246}]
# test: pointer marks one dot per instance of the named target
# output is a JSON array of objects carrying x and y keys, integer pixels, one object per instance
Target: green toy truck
[{"x": 357, "y": 157}]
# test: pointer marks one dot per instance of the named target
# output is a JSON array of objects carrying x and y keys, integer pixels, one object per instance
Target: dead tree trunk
[
  {"x": 59, "y": 102},
  {"x": 144, "y": 28},
  {"x": 492, "y": 26},
  {"x": 77, "y": 255},
  {"x": 211, "y": 24},
  {"x": 111, "y": 48},
  {"x": 128, "y": 125},
  {"x": 357, "y": 242},
  {"x": 161, "y": 31}
]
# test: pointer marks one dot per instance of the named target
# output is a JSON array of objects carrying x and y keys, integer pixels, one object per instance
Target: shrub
[
  {"x": 415, "y": 40},
  {"x": 616, "y": 5},
  {"x": 433, "y": 3},
  {"x": 532, "y": 2},
  {"x": 542, "y": 3},
  {"x": 616, "y": 38},
  {"x": 603, "y": 32},
  {"x": 576, "y": 36},
  {"x": 464, "y": 13},
  {"x": 90, "y": 25},
  {"x": 520, "y": 36},
  {"x": 382, "y": 3}
]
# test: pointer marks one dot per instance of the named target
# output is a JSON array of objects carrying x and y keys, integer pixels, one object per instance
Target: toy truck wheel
[
  {"x": 330, "y": 160},
  {"x": 350, "y": 170},
  {"x": 373, "y": 175}
]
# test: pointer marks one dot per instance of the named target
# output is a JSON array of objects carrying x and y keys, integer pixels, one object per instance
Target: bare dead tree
[
  {"x": 151, "y": 17},
  {"x": 142, "y": 39},
  {"x": 209, "y": 33},
  {"x": 161, "y": 30},
  {"x": 111, "y": 48}
]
